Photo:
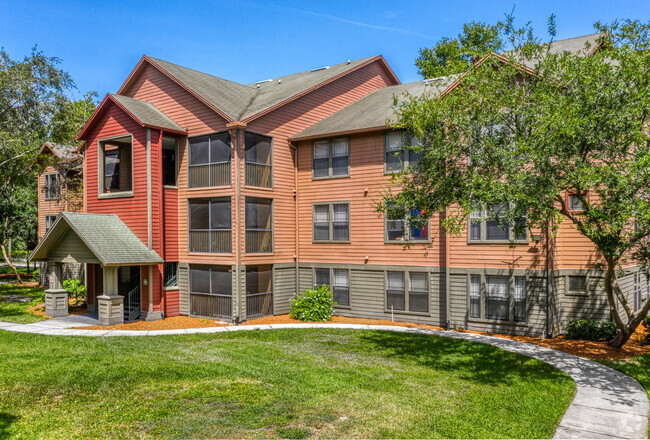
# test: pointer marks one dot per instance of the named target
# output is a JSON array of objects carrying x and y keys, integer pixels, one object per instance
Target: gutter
[{"x": 296, "y": 257}]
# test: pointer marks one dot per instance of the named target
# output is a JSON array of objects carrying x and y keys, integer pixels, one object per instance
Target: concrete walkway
[{"x": 607, "y": 404}]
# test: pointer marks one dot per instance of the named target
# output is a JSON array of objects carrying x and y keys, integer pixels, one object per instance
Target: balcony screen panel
[
  {"x": 258, "y": 213},
  {"x": 200, "y": 279},
  {"x": 259, "y": 279},
  {"x": 257, "y": 149},
  {"x": 199, "y": 150},
  {"x": 199, "y": 214},
  {"x": 220, "y": 214},
  {"x": 221, "y": 278},
  {"x": 220, "y": 147}
]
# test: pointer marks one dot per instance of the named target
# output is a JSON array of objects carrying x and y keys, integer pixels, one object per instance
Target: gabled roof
[
  {"x": 105, "y": 235},
  {"x": 239, "y": 102},
  {"x": 373, "y": 111},
  {"x": 63, "y": 152},
  {"x": 144, "y": 113}
]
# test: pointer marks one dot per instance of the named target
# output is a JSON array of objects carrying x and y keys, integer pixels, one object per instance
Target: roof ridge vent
[
  {"x": 320, "y": 68},
  {"x": 428, "y": 81},
  {"x": 264, "y": 81}
]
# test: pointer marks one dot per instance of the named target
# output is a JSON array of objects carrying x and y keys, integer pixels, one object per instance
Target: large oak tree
[{"x": 537, "y": 125}]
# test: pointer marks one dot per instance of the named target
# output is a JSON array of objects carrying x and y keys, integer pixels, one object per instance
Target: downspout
[
  {"x": 149, "y": 222},
  {"x": 447, "y": 280},
  {"x": 296, "y": 257},
  {"x": 549, "y": 278},
  {"x": 238, "y": 128}
]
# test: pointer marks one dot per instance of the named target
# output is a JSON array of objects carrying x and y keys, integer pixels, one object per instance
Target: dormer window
[{"x": 116, "y": 165}]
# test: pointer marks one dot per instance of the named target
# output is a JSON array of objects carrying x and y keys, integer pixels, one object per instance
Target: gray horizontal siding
[
  {"x": 184, "y": 288},
  {"x": 284, "y": 288}
]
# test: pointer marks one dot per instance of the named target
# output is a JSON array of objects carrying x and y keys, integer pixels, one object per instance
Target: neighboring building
[
  {"x": 60, "y": 184},
  {"x": 239, "y": 196}
]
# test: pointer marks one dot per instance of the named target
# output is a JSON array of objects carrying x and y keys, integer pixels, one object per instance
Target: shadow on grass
[
  {"x": 469, "y": 360},
  {"x": 6, "y": 420}
]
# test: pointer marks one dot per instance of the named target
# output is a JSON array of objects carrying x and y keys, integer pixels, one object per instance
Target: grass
[
  {"x": 4, "y": 269},
  {"x": 638, "y": 368},
  {"x": 17, "y": 311},
  {"x": 319, "y": 383}
]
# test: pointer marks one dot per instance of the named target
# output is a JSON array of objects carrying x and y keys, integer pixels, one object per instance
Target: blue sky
[{"x": 246, "y": 41}]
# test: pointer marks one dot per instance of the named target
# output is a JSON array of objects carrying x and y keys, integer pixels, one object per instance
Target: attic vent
[
  {"x": 320, "y": 68},
  {"x": 259, "y": 83},
  {"x": 426, "y": 82}
]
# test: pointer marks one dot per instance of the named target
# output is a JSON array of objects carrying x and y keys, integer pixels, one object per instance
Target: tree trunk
[{"x": 8, "y": 261}]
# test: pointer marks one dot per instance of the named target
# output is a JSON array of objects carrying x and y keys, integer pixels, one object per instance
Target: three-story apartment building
[{"x": 204, "y": 197}]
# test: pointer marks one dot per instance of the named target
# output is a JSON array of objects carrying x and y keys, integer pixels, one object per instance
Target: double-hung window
[
  {"x": 407, "y": 291},
  {"x": 210, "y": 225},
  {"x": 52, "y": 186},
  {"x": 331, "y": 222},
  {"x": 331, "y": 158},
  {"x": 396, "y": 156},
  {"x": 413, "y": 227},
  {"x": 258, "y": 158},
  {"x": 209, "y": 160},
  {"x": 498, "y": 298},
  {"x": 486, "y": 226},
  {"x": 338, "y": 281},
  {"x": 573, "y": 202}
]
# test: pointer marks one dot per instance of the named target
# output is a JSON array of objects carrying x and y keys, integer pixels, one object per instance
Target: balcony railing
[
  {"x": 259, "y": 304},
  {"x": 259, "y": 241},
  {"x": 258, "y": 174},
  {"x": 214, "y": 174},
  {"x": 216, "y": 242},
  {"x": 205, "y": 304}
]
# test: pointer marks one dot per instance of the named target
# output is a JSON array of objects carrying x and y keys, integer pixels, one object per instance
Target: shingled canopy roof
[
  {"x": 103, "y": 235},
  {"x": 144, "y": 113},
  {"x": 373, "y": 111}
]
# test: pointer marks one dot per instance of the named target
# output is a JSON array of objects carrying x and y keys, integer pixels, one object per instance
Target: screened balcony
[
  {"x": 210, "y": 225},
  {"x": 209, "y": 160},
  {"x": 259, "y": 225},
  {"x": 258, "y": 164}
]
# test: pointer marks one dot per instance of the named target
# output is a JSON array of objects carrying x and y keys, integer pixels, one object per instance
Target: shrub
[
  {"x": 313, "y": 305},
  {"x": 75, "y": 288},
  {"x": 590, "y": 330}
]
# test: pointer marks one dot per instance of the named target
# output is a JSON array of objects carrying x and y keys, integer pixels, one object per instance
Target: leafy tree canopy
[
  {"x": 522, "y": 132},
  {"x": 454, "y": 55}
]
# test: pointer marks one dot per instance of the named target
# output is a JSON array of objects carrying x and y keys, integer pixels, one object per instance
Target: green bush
[
  {"x": 313, "y": 305},
  {"x": 75, "y": 288},
  {"x": 590, "y": 330}
]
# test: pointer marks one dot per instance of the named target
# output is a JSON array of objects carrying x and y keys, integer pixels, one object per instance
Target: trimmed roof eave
[{"x": 339, "y": 133}]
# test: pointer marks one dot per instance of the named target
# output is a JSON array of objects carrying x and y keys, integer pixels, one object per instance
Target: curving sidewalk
[{"x": 607, "y": 404}]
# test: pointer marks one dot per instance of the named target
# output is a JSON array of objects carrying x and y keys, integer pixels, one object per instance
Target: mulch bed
[{"x": 587, "y": 349}]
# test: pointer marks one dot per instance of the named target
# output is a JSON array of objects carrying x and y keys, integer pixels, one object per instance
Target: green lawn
[
  {"x": 638, "y": 368},
  {"x": 14, "y": 311},
  {"x": 269, "y": 384}
]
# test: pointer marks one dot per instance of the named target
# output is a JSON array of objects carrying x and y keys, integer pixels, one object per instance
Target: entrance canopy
[{"x": 93, "y": 238}]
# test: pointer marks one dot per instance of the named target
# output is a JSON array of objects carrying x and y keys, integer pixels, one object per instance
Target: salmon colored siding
[
  {"x": 366, "y": 228},
  {"x": 286, "y": 122},
  {"x": 185, "y": 109},
  {"x": 132, "y": 210}
]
